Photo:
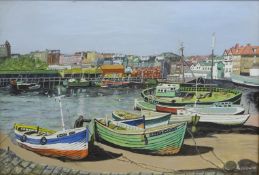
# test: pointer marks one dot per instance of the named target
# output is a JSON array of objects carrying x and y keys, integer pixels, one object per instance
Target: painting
[{"x": 129, "y": 87}]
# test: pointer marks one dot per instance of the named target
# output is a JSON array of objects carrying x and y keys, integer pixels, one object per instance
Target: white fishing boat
[
  {"x": 227, "y": 119},
  {"x": 220, "y": 108}
]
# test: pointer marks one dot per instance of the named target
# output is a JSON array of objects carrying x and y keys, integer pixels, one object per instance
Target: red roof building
[{"x": 242, "y": 58}]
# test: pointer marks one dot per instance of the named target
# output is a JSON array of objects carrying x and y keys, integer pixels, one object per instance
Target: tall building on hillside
[
  {"x": 5, "y": 50},
  {"x": 239, "y": 59},
  {"x": 53, "y": 57}
]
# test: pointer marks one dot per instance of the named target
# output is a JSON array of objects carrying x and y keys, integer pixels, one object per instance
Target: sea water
[{"x": 44, "y": 111}]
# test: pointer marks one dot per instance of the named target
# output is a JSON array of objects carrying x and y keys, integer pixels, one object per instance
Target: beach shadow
[
  {"x": 209, "y": 129},
  {"x": 191, "y": 150},
  {"x": 186, "y": 150},
  {"x": 97, "y": 153}
]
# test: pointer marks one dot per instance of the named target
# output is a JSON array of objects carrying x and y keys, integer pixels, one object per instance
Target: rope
[
  {"x": 198, "y": 151},
  {"x": 7, "y": 135},
  {"x": 141, "y": 165}
]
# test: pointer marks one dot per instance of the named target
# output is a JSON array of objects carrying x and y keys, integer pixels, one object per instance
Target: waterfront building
[
  {"x": 5, "y": 50},
  {"x": 89, "y": 57},
  {"x": 203, "y": 69},
  {"x": 41, "y": 55},
  {"x": 53, "y": 57},
  {"x": 74, "y": 59},
  {"x": 118, "y": 58},
  {"x": 198, "y": 58},
  {"x": 254, "y": 71},
  {"x": 239, "y": 59},
  {"x": 112, "y": 71},
  {"x": 148, "y": 72}
]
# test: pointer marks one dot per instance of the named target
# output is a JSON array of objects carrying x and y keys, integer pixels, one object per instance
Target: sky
[{"x": 128, "y": 27}]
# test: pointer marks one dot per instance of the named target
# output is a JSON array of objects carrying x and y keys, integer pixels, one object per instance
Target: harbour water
[{"x": 34, "y": 109}]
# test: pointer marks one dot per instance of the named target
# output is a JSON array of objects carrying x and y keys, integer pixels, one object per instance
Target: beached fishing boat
[
  {"x": 146, "y": 119},
  {"x": 212, "y": 118},
  {"x": 220, "y": 108},
  {"x": 185, "y": 94},
  {"x": 162, "y": 140},
  {"x": 67, "y": 143},
  {"x": 70, "y": 144}
]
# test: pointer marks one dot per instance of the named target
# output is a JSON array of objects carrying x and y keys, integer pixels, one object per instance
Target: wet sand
[{"x": 226, "y": 146}]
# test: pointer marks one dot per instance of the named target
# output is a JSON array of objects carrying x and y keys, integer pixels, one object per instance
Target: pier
[{"x": 58, "y": 80}]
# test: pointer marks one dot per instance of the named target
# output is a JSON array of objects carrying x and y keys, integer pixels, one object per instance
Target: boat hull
[
  {"x": 236, "y": 99},
  {"x": 231, "y": 120},
  {"x": 159, "y": 140},
  {"x": 169, "y": 109},
  {"x": 142, "y": 105},
  {"x": 217, "y": 110},
  {"x": 68, "y": 144}
]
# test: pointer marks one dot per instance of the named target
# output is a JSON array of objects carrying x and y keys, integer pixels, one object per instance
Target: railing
[{"x": 5, "y": 81}]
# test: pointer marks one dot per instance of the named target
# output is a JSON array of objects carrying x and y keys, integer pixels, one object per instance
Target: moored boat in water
[
  {"x": 182, "y": 94},
  {"x": 78, "y": 83},
  {"x": 24, "y": 86},
  {"x": 162, "y": 140}
]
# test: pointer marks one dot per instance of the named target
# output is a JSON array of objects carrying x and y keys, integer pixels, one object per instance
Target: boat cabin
[{"x": 167, "y": 90}]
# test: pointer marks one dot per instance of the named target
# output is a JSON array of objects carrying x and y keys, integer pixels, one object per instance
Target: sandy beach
[{"x": 227, "y": 147}]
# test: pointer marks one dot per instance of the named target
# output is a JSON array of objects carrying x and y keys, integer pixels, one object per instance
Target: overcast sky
[{"x": 141, "y": 28}]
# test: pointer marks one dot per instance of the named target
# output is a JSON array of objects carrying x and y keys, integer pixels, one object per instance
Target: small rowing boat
[{"x": 146, "y": 119}]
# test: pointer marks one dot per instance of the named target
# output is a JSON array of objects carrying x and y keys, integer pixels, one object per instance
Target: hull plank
[{"x": 158, "y": 140}]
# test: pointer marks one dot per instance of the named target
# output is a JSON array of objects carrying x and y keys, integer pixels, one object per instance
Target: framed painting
[{"x": 129, "y": 87}]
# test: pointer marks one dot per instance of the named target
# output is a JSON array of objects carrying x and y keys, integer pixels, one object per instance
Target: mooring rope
[
  {"x": 141, "y": 165},
  {"x": 198, "y": 151}
]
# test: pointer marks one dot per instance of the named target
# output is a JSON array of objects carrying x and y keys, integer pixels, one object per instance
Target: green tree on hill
[{"x": 23, "y": 63}]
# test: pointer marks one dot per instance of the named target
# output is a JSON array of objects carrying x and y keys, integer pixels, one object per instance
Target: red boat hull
[{"x": 169, "y": 109}]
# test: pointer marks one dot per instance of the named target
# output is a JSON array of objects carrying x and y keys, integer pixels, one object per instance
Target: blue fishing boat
[{"x": 145, "y": 119}]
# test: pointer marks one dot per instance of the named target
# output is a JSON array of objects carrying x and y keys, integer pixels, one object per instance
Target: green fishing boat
[
  {"x": 161, "y": 140},
  {"x": 183, "y": 94}
]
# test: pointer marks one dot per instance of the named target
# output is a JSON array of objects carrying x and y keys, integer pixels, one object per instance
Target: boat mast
[
  {"x": 182, "y": 60},
  {"x": 61, "y": 111},
  {"x": 212, "y": 60}
]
